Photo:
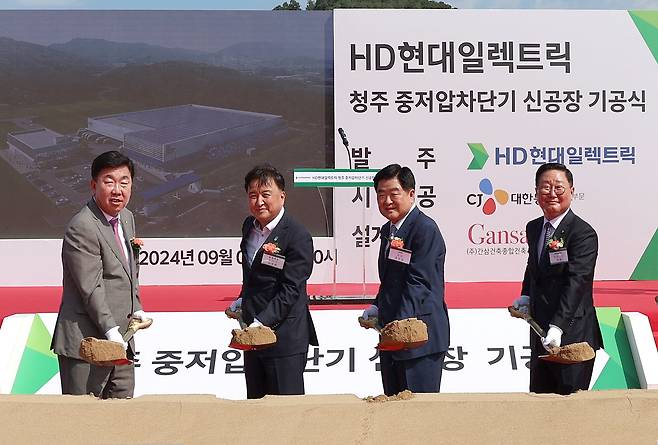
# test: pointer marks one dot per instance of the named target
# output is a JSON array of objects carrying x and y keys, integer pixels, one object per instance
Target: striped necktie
[{"x": 548, "y": 233}]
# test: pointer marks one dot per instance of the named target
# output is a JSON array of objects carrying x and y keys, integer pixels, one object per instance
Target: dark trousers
[
  {"x": 107, "y": 382},
  {"x": 422, "y": 374},
  {"x": 549, "y": 377},
  {"x": 274, "y": 375}
]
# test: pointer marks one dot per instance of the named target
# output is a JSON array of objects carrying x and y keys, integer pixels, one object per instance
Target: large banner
[
  {"x": 188, "y": 353},
  {"x": 474, "y": 101}
]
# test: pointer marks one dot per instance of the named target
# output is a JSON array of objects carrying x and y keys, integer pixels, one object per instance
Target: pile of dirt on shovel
[
  {"x": 409, "y": 330},
  {"x": 94, "y": 350},
  {"x": 256, "y": 336}
]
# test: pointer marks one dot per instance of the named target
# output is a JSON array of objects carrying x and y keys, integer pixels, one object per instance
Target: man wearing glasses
[{"x": 558, "y": 281}]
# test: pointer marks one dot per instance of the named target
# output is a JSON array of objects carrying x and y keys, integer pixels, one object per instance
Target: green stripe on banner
[
  {"x": 647, "y": 23},
  {"x": 619, "y": 372},
  {"x": 646, "y": 268},
  {"x": 38, "y": 364},
  {"x": 39, "y": 338}
]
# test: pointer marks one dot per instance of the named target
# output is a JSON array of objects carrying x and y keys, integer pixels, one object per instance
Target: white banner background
[
  {"x": 484, "y": 359},
  {"x": 203, "y": 265},
  {"x": 606, "y": 53}
]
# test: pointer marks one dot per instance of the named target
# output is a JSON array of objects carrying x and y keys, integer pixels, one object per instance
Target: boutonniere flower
[
  {"x": 136, "y": 244},
  {"x": 555, "y": 243},
  {"x": 271, "y": 248},
  {"x": 397, "y": 243}
]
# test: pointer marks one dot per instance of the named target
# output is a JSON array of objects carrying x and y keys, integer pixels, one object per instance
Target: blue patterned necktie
[
  {"x": 548, "y": 233},
  {"x": 390, "y": 237}
]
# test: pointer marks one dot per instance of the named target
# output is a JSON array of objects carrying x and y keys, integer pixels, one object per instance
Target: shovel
[
  {"x": 567, "y": 354},
  {"x": 237, "y": 315},
  {"x": 110, "y": 353},
  {"x": 388, "y": 344}
]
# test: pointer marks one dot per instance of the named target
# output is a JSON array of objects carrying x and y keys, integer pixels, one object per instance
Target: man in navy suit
[
  {"x": 411, "y": 284},
  {"x": 558, "y": 283},
  {"x": 277, "y": 260}
]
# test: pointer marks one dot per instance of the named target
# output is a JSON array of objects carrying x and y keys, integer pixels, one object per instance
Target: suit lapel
[
  {"x": 127, "y": 225},
  {"x": 273, "y": 237},
  {"x": 246, "y": 228},
  {"x": 560, "y": 232},
  {"x": 534, "y": 229},
  {"x": 402, "y": 233},
  {"x": 107, "y": 233},
  {"x": 563, "y": 228},
  {"x": 384, "y": 233}
]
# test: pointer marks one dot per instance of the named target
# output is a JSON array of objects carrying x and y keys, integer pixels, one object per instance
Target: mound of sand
[
  {"x": 99, "y": 352},
  {"x": 256, "y": 336},
  {"x": 404, "y": 395},
  {"x": 410, "y": 330},
  {"x": 588, "y": 417}
]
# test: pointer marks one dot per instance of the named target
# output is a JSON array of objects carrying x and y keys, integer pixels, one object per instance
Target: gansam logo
[
  {"x": 479, "y": 234},
  {"x": 490, "y": 197}
]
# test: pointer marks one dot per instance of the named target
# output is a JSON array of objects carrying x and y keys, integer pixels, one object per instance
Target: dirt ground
[{"x": 598, "y": 417}]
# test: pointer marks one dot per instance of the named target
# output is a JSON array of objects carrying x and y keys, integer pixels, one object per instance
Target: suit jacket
[
  {"x": 415, "y": 289},
  {"x": 277, "y": 297},
  {"x": 561, "y": 294},
  {"x": 100, "y": 288}
]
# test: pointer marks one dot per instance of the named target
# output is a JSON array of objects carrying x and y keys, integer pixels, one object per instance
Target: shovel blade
[
  {"x": 243, "y": 347},
  {"x": 399, "y": 346},
  {"x": 572, "y": 353}
]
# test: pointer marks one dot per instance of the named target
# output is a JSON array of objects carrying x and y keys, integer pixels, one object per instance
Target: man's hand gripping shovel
[
  {"x": 388, "y": 343},
  {"x": 252, "y": 345},
  {"x": 110, "y": 353},
  {"x": 567, "y": 354}
]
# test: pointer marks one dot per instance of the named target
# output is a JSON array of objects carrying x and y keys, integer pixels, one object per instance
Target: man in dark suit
[
  {"x": 277, "y": 260},
  {"x": 558, "y": 282},
  {"x": 411, "y": 283},
  {"x": 100, "y": 290}
]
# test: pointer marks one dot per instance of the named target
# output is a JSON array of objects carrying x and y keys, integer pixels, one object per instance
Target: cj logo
[{"x": 486, "y": 191}]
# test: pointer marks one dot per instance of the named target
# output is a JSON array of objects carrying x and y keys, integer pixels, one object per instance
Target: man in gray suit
[{"x": 100, "y": 289}]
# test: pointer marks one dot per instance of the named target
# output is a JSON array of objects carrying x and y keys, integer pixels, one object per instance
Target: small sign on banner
[{"x": 334, "y": 177}]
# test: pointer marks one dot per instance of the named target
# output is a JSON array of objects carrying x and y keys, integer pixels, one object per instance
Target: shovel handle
[
  {"x": 533, "y": 324},
  {"x": 135, "y": 325},
  {"x": 237, "y": 315},
  {"x": 370, "y": 323},
  {"x": 535, "y": 327}
]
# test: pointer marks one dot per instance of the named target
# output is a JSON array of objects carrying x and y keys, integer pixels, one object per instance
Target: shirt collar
[
  {"x": 108, "y": 217},
  {"x": 398, "y": 225},
  {"x": 272, "y": 224},
  {"x": 555, "y": 222}
]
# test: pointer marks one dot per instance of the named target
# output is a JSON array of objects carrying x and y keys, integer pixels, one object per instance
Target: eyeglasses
[{"x": 546, "y": 189}]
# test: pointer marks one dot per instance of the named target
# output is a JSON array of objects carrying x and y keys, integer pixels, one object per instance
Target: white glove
[
  {"x": 522, "y": 304},
  {"x": 114, "y": 335},
  {"x": 255, "y": 324},
  {"x": 141, "y": 315},
  {"x": 553, "y": 338},
  {"x": 236, "y": 305},
  {"x": 371, "y": 312}
]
